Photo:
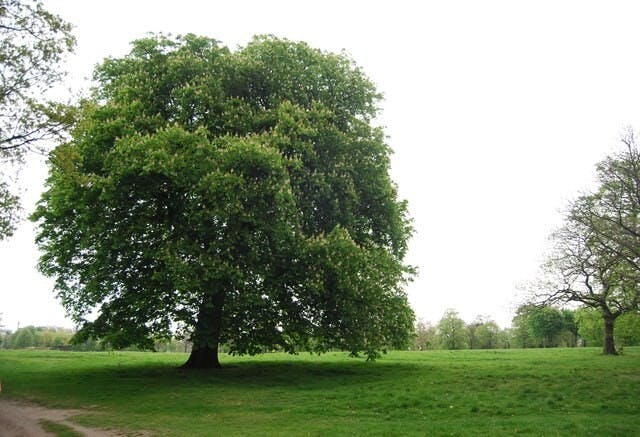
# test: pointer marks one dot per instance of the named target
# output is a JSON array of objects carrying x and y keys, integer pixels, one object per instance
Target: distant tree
[
  {"x": 590, "y": 326},
  {"x": 89, "y": 345},
  {"x": 627, "y": 331},
  {"x": 23, "y": 338},
  {"x": 521, "y": 335},
  {"x": 471, "y": 332},
  {"x": 487, "y": 334},
  {"x": 452, "y": 331},
  {"x": 52, "y": 337},
  {"x": 546, "y": 324},
  {"x": 242, "y": 196},
  {"x": 4, "y": 334},
  {"x": 505, "y": 338},
  {"x": 32, "y": 45},
  {"x": 42, "y": 337},
  {"x": 172, "y": 345},
  {"x": 425, "y": 336},
  {"x": 596, "y": 255},
  {"x": 569, "y": 332},
  {"x": 483, "y": 333}
]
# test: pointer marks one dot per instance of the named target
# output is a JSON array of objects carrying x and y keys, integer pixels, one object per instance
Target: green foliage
[
  {"x": 520, "y": 327},
  {"x": 61, "y": 338},
  {"x": 452, "y": 331},
  {"x": 243, "y": 197},
  {"x": 627, "y": 330},
  {"x": 425, "y": 336},
  {"x": 591, "y": 326},
  {"x": 484, "y": 333},
  {"x": 9, "y": 210},
  {"x": 487, "y": 334},
  {"x": 569, "y": 334},
  {"x": 545, "y": 324},
  {"x": 505, "y": 338},
  {"x": 40, "y": 337},
  {"x": 33, "y": 43},
  {"x": 572, "y": 392},
  {"x": 25, "y": 337}
]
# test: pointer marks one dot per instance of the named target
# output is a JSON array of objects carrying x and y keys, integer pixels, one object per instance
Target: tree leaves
[
  {"x": 241, "y": 196},
  {"x": 32, "y": 45}
]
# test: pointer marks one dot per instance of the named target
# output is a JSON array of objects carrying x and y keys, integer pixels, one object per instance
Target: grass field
[{"x": 506, "y": 392}]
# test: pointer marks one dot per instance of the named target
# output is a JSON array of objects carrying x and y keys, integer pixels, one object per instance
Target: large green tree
[
  {"x": 240, "y": 197},
  {"x": 33, "y": 43}
]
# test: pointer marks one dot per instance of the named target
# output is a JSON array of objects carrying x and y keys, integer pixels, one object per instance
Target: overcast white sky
[{"x": 497, "y": 112}]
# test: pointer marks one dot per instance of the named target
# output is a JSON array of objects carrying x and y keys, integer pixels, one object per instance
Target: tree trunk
[
  {"x": 206, "y": 336},
  {"x": 609, "y": 344},
  {"x": 203, "y": 358}
]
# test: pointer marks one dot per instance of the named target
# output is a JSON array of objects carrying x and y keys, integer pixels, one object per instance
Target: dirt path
[{"x": 19, "y": 419}]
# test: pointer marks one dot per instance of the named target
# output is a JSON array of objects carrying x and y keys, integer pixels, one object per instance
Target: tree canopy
[
  {"x": 240, "y": 197},
  {"x": 32, "y": 45}
]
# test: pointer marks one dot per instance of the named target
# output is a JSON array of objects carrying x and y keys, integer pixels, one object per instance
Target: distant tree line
[
  {"x": 46, "y": 337},
  {"x": 532, "y": 327},
  {"x": 36, "y": 337}
]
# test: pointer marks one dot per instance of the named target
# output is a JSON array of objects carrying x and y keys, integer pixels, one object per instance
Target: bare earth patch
[{"x": 20, "y": 419}]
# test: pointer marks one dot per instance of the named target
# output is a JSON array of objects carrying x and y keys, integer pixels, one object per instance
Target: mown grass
[{"x": 536, "y": 392}]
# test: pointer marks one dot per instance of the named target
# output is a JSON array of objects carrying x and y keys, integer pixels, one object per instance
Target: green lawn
[{"x": 506, "y": 392}]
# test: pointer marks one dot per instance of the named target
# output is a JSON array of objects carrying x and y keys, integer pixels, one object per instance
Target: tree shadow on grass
[
  {"x": 106, "y": 382},
  {"x": 276, "y": 373}
]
